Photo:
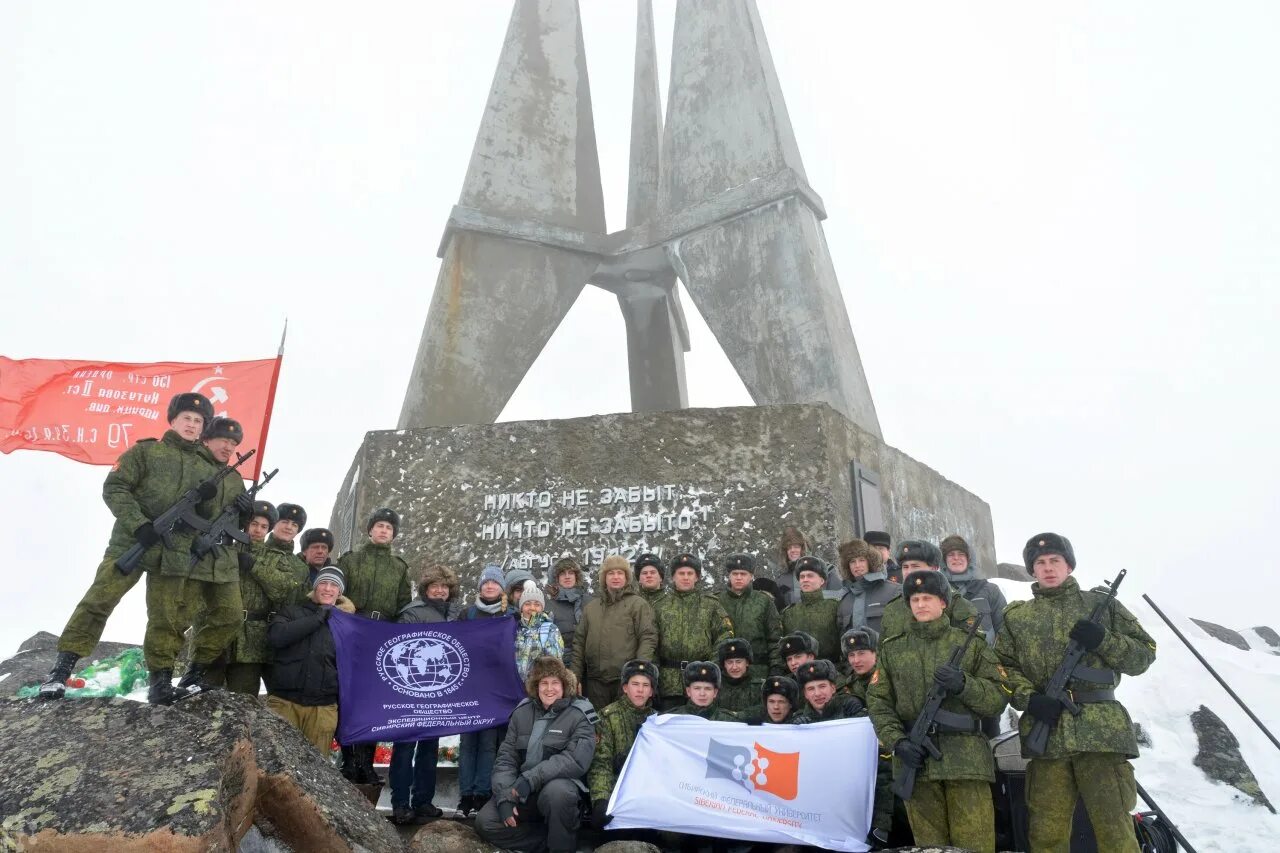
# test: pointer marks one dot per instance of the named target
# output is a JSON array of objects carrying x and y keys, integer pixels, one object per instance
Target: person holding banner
[
  {"x": 477, "y": 750},
  {"x": 620, "y": 722},
  {"x": 739, "y": 691},
  {"x": 537, "y": 776},
  {"x": 951, "y": 802},
  {"x": 817, "y": 680},
  {"x": 146, "y": 480},
  {"x": 796, "y": 649},
  {"x": 779, "y": 697},
  {"x": 701, "y": 688}
]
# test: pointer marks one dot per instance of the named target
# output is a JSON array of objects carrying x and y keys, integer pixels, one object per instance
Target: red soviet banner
[{"x": 92, "y": 411}]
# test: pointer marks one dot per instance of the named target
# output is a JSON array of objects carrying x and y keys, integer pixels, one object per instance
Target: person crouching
[{"x": 537, "y": 776}]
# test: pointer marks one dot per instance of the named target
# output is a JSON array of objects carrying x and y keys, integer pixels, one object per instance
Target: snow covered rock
[
  {"x": 1226, "y": 635},
  {"x": 1220, "y": 757}
]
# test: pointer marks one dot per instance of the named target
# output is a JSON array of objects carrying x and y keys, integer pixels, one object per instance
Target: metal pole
[
  {"x": 1212, "y": 671},
  {"x": 1164, "y": 818}
]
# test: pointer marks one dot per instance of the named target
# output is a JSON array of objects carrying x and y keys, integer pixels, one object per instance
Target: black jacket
[{"x": 305, "y": 667}]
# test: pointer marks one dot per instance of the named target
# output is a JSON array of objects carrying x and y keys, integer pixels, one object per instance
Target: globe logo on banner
[
  {"x": 756, "y": 769},
  {"x": 425, "y": 664}
]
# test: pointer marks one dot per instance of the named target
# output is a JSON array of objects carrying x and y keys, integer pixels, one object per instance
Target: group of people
[{"x": 869, "y": 637}]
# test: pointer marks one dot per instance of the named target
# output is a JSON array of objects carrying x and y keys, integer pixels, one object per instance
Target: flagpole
[{"x": 271, "y": 396}]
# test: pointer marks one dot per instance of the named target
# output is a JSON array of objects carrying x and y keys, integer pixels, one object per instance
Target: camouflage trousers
[
  {"x": 1104, "y": 780},
  {"x": 173, "y": 603},
  {"x": 84, "y": 628},
  {"x": 958, "y": 812}
]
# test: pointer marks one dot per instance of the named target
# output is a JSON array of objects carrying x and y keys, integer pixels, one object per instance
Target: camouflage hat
[
  {"x": 639, "y": 666},
  {"x": 859, "y": 640},
  {"x": 702, "y": 671},
  {"x": 734, "y": 647},
  {"x": 686, "y": 561},
  {"x": 810, "y": 564},
  {"x": 1048, "y": 543},
  {"x": 798, "y": 643},
  {"x": 650, "y": 560},
  {"x": 267, "y": 510},
  {"x": 740, "y": 563},
  {"x": 816, "y": 670},
  {"x": 316, "y": 535},
  {"x": 292, "y": 512},
  {"x": 780, "y": 685},
  {"x": 917, "y": 549},
  {"x": 223, "y": 428},
  {"x": 190, "y": 402},
  {"x": 932, "y": 583},
  {"x": 390, "y": 516}
]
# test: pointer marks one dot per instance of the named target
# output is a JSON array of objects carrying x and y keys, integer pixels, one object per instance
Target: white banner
[{"x": 809, "y": 784}]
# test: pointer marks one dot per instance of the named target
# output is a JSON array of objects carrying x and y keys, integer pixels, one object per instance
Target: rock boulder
[
  {"x": 1219, "y": 756},
  {"x": 35, "y": 657}
]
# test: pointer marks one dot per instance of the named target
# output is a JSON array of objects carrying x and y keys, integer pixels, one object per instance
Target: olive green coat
[
  {"x": 651, "y": 595},
  {"x": 1031, "y": 644},
  {"x": 904, "y": 674},
  {"x": 146, "y": 480},
  {"x": 619, "y": 724},
  {"x": 615, "y": 628},
  {"x": 755, "y": 619},
  {"x": 274, "y": 581},
  {"x": 690, "y": 624},
  {"x": 220, "y": 565},
  {"x": 897, "y": 615},
  {"x": 712, "y": 712},
  {"x": 815, "y": 614},
  {"x": 856, "y": 685},
  {"x": 742, "y": 697},
  {"x": 377, "y": 581}
]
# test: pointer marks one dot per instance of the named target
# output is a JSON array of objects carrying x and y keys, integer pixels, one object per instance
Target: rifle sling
[
  {"x": 258, "y": 615},
  {"x": 950, "y": 722},
  {"x": 1092, "y": 675},
  {"x": 1082, "y": 697}
]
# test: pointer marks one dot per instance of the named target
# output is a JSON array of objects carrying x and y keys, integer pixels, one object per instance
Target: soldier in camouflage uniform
[
  {"x": 859, "y": 645},
  {"x": 146, "y": 480},
  {"x": 817, "y": 680},
  {"x": 1093, "y": 748},
  {"x": 815, "y": 612},
  {"x": 616, "y": 732},
  {"x": 690, "y": 623},
  {"x": 178, "y": 590},
  {"x": 739, "y": 688},
  {"x": 268, "y": 581},
  {"x": 753, "y": 614},
  {"x": 951, "y": 803},
  {"x": 919, "y": 556},
  {"x": 650, "y": 577},
  {"x": 779, "y": 701},
  {"x": 797, "y": 648},
  {"x": 379, "y": 587},
  {"x": 701, "y": 689},
  {"x": 292, "y": 519}
]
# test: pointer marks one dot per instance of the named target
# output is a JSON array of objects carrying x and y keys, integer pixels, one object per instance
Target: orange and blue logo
[{"x": 757, "y": 769}]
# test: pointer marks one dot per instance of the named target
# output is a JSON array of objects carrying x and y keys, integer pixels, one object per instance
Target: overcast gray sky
[{"x": 1056, "y": 227}]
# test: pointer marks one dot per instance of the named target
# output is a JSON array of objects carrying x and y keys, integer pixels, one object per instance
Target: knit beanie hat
[
  {"x": 331, "y": 573},
  {"x": 493, "y": 573},
  {"x": 531, "y": 592}
]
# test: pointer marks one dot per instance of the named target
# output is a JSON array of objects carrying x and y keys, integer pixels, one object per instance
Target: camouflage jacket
[
  {"x": 815, "y": 614},
  {"x": 897, "y": 615},
  {"x": 904, "y": 674},
  {"x": 690, "y": 624},
  {"x": 712, "y": 712},
  {"x": 740, "y": 698},
  {"x": 377, "y": 581},
  {"x": 651, "y": 595},
  {"x": 146, "y": 480},
  {"x": 1031, "y": 644},
  {"x": 272, "y": 583},
  {"x": 620, "y": 721},
  {"x": 841, "y": 707},
  {"x": 755, "y": 619},
  {"x": 856, "y": 685},
  {"x": 222, "y": 564}
]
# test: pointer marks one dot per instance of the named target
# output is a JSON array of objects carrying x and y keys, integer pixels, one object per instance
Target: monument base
[{"x": 709, "y": 481}]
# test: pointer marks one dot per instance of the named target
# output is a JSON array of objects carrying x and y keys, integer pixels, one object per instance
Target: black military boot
[
  {"x": 192, "y": 681},
  {"x": 349, "y": 771},
  {"x": 366, "y": 774},
  {"x": 160, "y": 691},
  {"x": 56, "y": 684}
]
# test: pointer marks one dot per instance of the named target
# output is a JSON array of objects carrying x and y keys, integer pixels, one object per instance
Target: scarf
[
  {"x": 574, "y": 596},
  {"x": 489, "y": 607}
]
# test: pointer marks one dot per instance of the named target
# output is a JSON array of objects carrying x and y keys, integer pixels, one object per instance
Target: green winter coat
[
  {"x": 897, "y": 615},
  {"x": 690, "y": 624},
  {"x": 712, "y": 712},
  {"x": 273, "y": 582},
  {"x": 221, "y": 565},
  {"x": 146, "y": 480},
  {"x": 841, "y": 707},
  {"x": 377, "y": 581},
  {"x": 856, "y": 685},
  {"x": 815, "y": 614},
  {"x": 1031, "y": 644},
  {"x": 741, "y": 698},
  {"x": 651, "y": 595},
  {"x": 904, "y": 674},
  {"x": 614, "y": 629},
  {"x": 755, "y": 619},
  {"x": 619, "y": 724}
]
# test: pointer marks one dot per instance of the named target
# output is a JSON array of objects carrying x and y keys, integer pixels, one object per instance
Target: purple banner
[{"x": 408, "y": 682}]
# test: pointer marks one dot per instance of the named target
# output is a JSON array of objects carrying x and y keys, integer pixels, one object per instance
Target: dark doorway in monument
[
  {"x": 864, "y": 485},
  {"x": 583, "y": 368}
]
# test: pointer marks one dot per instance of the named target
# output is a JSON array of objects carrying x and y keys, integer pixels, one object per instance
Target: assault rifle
[
  {"x": 183, "y": 511},
  {"x": 922, "y": 730},
  {"x": 225, "y": 526},
  {"x": 1038, "y": 741}
]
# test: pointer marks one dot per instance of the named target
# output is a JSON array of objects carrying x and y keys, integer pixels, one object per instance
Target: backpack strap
[{"x": 588, "y": 710}]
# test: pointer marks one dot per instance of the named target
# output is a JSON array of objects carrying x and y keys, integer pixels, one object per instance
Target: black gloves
[
  {"x": 949, "y": 678},
  {"x": 146, "y": 535},
  {"x": 523, "y": 789},
  {"x": 244, "y": 503},
  {"x": 599, "y": 817},
  {"x": 1044, "y": 708},
  {"x": 506, "y": 810},
  {"x": 206, "y": 490},
  {"x": 910, "y": 754},
  {"x": 246, "y": 560},
  {"x": 1088, "y": 634}
]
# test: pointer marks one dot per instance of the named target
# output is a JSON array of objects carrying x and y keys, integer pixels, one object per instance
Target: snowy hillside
[{"x": 1213, "y": 816}]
